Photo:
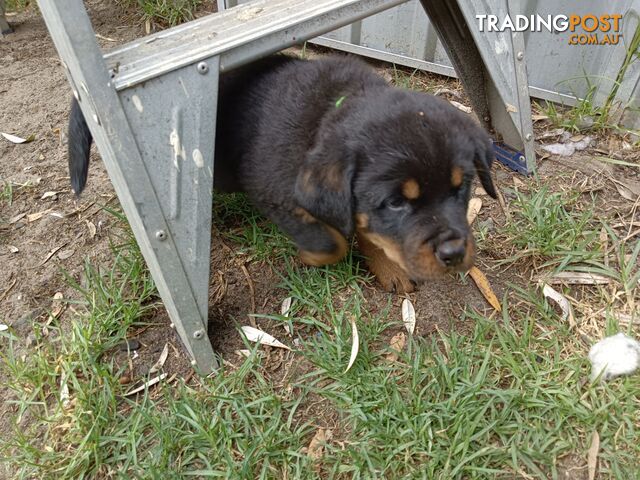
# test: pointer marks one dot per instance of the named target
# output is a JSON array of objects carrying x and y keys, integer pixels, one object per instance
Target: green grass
[
  {"x": 166, "y": 13},
  {"x": 509, "y": 398},
  {"x": 6, "y": 194},
  {"x": 588, "y": 114},
  {"x": 17, "y": 5},
  {"x": 552, "y": 227}
]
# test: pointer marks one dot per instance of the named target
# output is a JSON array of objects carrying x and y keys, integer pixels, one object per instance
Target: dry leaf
[
  {"x": 247, "y": 353},
  {"x": 475, "y": 204},
  {"x": 92, "y": 228},
  {"x": 15, "y": 139},
  {"x": 32, "y": 217},
  {"x": 317, "y": 443},
  {"x": 510, "y": 108},
  {"x": 63, "y": 255},
  {"x": 285, "y": 307},
  {"x": 46, "y": 195},
  {"x": 160, "y": 363},
  {"x": 397, "y": 344},
  {"x": 408, "y": 316},
  {"x": 625, "y": 192},
  {"x": 604, "y": 242},
  {"x": 479, "y": 191},
  {"x": 579, "y": 278},
  {"x": 256, "y": 335},
  {"x": 284, "y": 311},
  {"x": 65, "y": 398},
  {"x": 146, "y": 385},
  {"x": 13, "y": 249},
  {"x": 483, "y": 285},
  {"x": 517, "y": 183},
  {"x": 17, "y": 218},
  {"x": 561, "y": 300},
  {"x": 461, "y": 107},
  {"x": 57, "y": 306},
  {"x": 592, "y": 457},
  {"x": 538, "y": 117},
  {"x": 355, "y": 343}
]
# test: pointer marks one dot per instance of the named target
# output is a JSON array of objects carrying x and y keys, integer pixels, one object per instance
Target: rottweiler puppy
[{"x": 327, "y": 149}]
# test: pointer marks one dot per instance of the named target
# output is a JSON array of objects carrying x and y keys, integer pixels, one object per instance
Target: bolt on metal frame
[{"x": 150, "y": 106}]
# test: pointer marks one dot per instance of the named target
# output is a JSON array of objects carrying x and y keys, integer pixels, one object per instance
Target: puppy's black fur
[{"x": 327, "y": 149}]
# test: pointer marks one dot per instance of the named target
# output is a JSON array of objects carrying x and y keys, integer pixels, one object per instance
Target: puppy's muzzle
[{"x": 451, "y": 253}]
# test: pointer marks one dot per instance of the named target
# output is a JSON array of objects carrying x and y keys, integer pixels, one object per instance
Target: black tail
[{"x": 79, "y": 147}]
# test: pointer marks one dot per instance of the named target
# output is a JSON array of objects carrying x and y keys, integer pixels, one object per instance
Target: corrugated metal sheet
[{"x": 557, "y": 70}]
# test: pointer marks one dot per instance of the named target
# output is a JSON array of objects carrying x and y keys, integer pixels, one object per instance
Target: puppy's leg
[
  {"x": 390, "y": 275},
  {"x": 319, "y": 243}
]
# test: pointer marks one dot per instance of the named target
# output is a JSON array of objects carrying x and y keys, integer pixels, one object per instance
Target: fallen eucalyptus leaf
[
  {"x": 315, "y": 450},
  {"x": 397, "y": 344},
  {"x": 408, "y": 316},
  {"x": 146, "y": 385},
  {"x": 579, "y": 278},
  {"x": 475, "y": 204},
  {"x": 561, "y": 300},
  {"x": 65, "y": 398},
  {"x": 355, "y": 343},
  {"x": 57, "y": 306},
  {"x": 32, "y": 217},
  {"x": 258, "y": 336},
  {"x": 16, "y": 218},
  {"x": 46, "y": 195},
  {"x": 461, "y": 107},
  {"x": 592, "y": 456},
  {"x": 64, "y": 254},
  {"x": 16, "y": 139},
  {"x": 160, "y": 363},
  {"x": 92, "y": 228},
  {"x": 286, "y": 306},
  {"x": 484, "y": 286}
]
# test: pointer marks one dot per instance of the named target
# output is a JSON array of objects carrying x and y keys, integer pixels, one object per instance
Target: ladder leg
[
  {"x": 156, "y": 221},
  {"x": 4, "y": 25},
  {"x": 491, "y": 67}
]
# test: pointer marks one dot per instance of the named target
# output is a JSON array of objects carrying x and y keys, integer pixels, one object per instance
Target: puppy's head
[{"x": 398, "y": 167}]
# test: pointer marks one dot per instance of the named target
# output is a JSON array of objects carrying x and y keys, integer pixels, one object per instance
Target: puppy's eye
[{"x": 395, "y": 203}]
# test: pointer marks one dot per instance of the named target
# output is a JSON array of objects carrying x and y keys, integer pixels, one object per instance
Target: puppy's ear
[
  {"x": 324, "y": 184},
  {"x": 482, "y": 161}
]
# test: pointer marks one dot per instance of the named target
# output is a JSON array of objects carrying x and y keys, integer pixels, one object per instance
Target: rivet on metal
[
  {"x": 193, "y": 363},
  {"x": 202, "y": 68},
  {"x": 522, "y": 159},
  {"x": 161, "y": 235},
  {"x": 198, "y": 334},
  {"x": 520, "y": 55},
  {"x": 528, "y": 136}
]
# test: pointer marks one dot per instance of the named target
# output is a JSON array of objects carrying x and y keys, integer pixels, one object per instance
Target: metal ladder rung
[{"x": 238, "y": 35}]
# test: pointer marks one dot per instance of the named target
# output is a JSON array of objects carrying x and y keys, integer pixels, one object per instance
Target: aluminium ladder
[{"x": 150, "y": 105}]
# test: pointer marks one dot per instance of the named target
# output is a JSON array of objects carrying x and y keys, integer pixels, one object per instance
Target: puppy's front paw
[{"x": 390, "y": 275}]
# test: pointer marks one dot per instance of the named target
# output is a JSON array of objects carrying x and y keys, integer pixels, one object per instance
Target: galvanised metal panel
[{"x": 557, "y": 70}]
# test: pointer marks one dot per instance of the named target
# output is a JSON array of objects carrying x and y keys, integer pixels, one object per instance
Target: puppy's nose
[{"x": 451, "y": 252}]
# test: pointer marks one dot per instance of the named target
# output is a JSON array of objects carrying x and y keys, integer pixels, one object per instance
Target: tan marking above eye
[
  {"x": 457, "y": 175},
  {"x": 410, "y": 189}
]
